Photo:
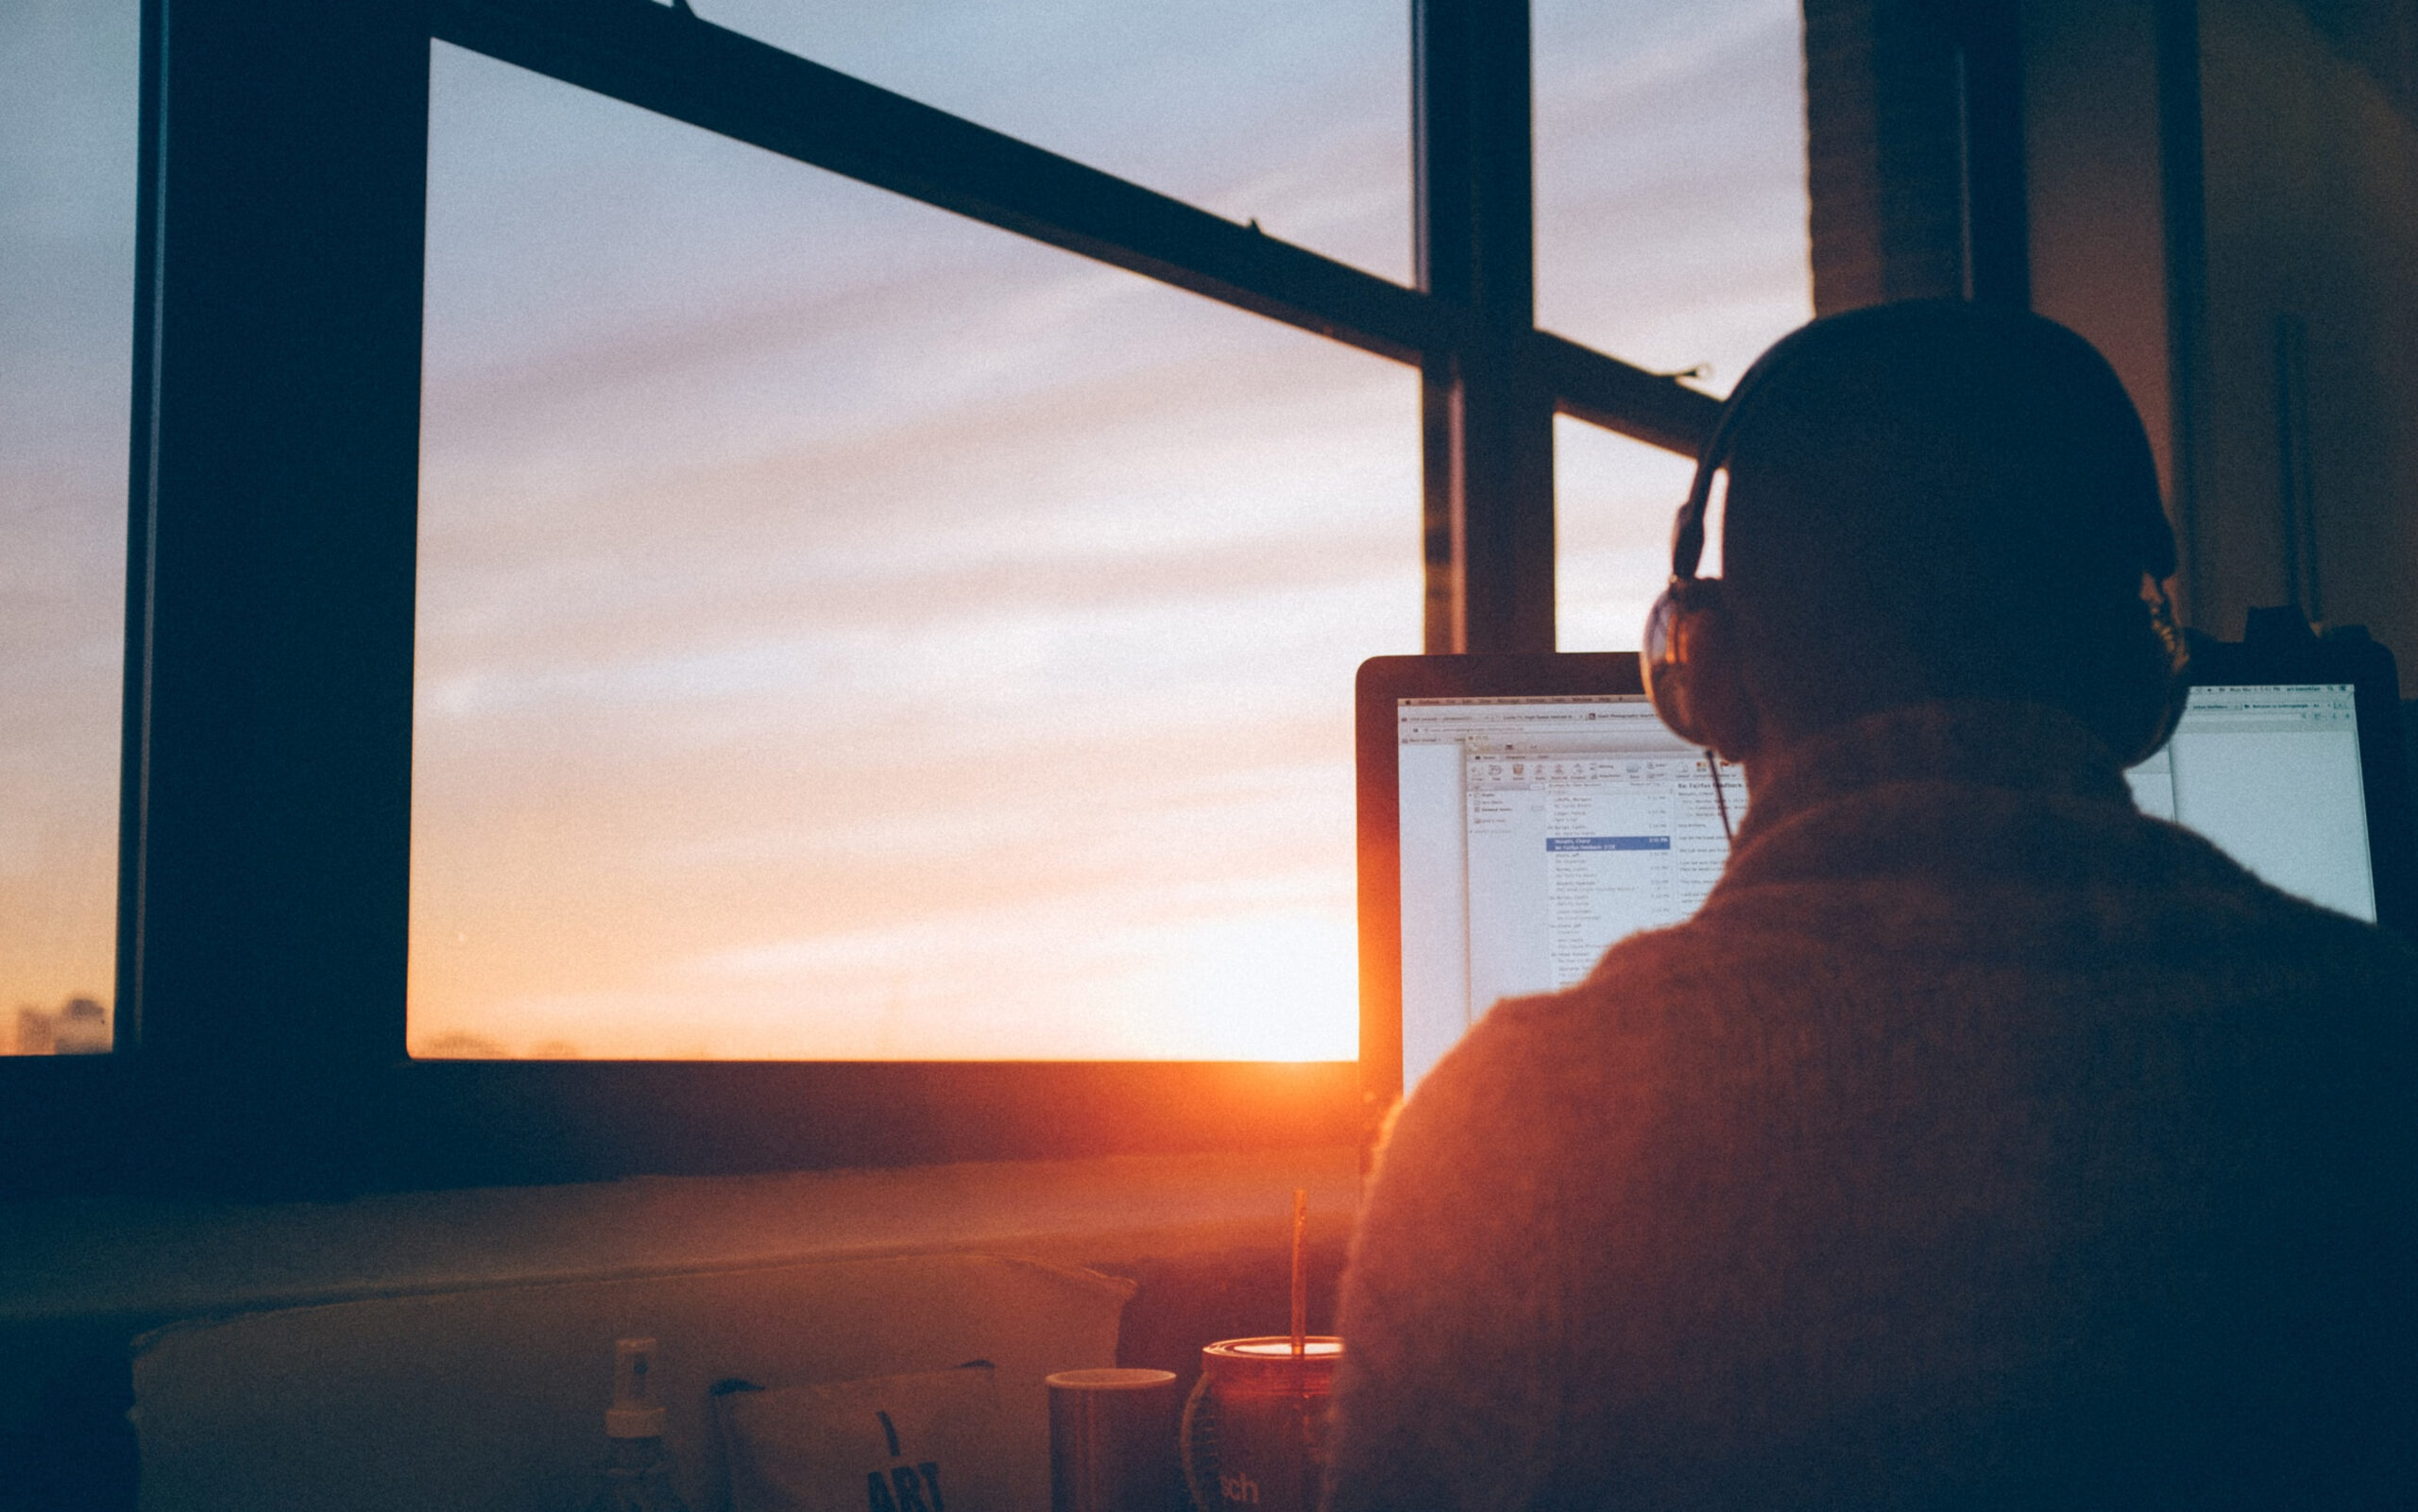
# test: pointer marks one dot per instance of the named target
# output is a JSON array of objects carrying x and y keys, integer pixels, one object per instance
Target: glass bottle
[{"x": 636, "y": 1475}]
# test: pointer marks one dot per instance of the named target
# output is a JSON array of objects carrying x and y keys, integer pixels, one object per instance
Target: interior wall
[{"x": 2311, "y": 453}]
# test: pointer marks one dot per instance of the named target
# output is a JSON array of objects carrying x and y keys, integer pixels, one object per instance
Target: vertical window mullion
[
  {"x": 1490, "y": 488},
  {"x": 268, "y": 716}
]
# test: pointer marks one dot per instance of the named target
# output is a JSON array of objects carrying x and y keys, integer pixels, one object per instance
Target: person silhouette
[{"x": 1981, "y": 1142}]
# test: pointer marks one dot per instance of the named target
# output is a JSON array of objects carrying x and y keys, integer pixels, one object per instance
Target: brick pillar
[{"x": 1914, "y": 145}]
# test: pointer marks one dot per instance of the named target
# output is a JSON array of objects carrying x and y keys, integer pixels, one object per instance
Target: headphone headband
[
  {"x": 2154, "y": 547},
  {"x": 1687, "y": 530}
]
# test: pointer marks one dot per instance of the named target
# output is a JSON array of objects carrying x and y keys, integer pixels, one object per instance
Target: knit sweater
[{"x": 1979, "y": 1142}]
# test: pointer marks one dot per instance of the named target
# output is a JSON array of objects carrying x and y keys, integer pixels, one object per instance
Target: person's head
[{"x": 1930, "y": 499}]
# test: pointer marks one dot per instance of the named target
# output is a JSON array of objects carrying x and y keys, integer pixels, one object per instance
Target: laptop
[{"x": 1520, "y": 814}]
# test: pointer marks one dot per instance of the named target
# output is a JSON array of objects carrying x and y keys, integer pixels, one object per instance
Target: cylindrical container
[
  {"x": 1112, "y": 1441},
  {"x": 1255, "y": 1432}
]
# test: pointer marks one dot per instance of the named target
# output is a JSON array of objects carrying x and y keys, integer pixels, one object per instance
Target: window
[
  {"x": 1670, "y": 192},
  {"x": 848, "y": 632},
  {"x": 1614, "y": 500},
  {"x": 1671, "y": 228},
  {"x": 67, "y": 116},
  {"x": 295, "y": 561}
]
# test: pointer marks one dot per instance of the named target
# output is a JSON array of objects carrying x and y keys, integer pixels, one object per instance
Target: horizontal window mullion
[
  {"x": 660, "y": 60},
  {"x": 1587, "y": 385}
]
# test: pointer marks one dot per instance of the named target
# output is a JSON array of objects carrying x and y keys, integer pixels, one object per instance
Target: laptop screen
[
  {"x": 2270, "y": 773},
  {"x": 1534, "y": 833},
  {"x": 1535, "y": 830}
]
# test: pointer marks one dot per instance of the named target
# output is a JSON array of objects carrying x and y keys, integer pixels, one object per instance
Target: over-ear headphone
[
  {"x": 1689, "y": 629},
  {"x": 1688, "y": 659}
]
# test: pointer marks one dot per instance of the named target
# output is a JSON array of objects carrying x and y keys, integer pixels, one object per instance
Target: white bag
[{"x": 901, "y": 1443}]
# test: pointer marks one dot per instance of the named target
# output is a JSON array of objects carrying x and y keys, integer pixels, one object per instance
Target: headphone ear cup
[
  {"x": 1663, "y": 664},
  {"x": 1690, "y": 668}
]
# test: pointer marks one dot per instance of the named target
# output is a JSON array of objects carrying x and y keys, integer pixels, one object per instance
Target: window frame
[{"x": 273, "y": 491}]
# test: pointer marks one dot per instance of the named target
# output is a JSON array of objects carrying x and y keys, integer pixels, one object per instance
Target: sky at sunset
[
  {"x": 849, "y": 631},
  {"x": 67, "y": 109}
]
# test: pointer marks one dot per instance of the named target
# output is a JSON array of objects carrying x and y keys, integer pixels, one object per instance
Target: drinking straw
[{"x": 1301, "y": 1276}]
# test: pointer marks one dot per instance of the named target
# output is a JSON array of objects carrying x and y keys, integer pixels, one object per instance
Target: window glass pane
[
  {"x": 1671, "y": 199},
  {"x": 847, "y": 631},
  {"x": 1294, "y": 115},
  {"x": 67, "y": 133},
  {"x": 1614, "y": 500}
]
